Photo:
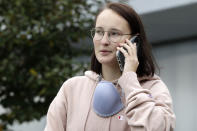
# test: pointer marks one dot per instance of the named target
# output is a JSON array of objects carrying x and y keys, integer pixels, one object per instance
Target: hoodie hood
[{"x": 94, "y": 76}]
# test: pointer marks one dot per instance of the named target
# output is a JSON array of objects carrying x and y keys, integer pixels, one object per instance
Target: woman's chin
[{"x": 106, "y": 61}]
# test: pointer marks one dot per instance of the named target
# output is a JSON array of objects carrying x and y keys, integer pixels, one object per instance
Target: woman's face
[{"x": 105, "y": 50}]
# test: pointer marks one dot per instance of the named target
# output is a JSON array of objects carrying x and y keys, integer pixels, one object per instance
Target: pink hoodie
[{"x": 148, "y": 106}]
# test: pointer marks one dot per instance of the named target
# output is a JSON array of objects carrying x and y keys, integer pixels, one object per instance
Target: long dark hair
[{"x": 147, "y": 65}]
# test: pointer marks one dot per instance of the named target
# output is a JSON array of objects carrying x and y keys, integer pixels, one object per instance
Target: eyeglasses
[{"x": 113, "y": 35}]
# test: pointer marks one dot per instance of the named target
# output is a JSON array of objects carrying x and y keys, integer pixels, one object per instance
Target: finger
[
  {"x": 133, "y": 46},
  {"x": 125, "y": 53},
  {"x": 130, "y": 48},
  {"x": 135, "y": 49},
  {"x": 128, "y": 41},
  {"x": 130, "y": 44},
  {"x": 125, "y": 45}
]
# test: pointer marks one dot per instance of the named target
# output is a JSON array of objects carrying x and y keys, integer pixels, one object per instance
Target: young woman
[{"x": 106, "y": 98}]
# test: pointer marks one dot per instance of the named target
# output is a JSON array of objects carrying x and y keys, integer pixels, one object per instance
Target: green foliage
[{"x": 36, "y": 54}]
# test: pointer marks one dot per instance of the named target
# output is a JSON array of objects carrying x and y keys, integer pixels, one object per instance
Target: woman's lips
[{"x": 105, "y": 52}]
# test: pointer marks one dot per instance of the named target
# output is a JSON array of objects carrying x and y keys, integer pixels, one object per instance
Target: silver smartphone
[{"x": 119, "y": 55}]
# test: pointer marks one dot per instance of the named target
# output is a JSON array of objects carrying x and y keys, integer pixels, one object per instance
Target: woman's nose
[{"x": 105, "y": 39}]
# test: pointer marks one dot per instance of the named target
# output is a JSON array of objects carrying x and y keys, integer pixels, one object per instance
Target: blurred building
[{"x": 171, "y": 27}]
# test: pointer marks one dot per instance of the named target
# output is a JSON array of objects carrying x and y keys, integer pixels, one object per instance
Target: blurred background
[{"x": 44, "y": 42}]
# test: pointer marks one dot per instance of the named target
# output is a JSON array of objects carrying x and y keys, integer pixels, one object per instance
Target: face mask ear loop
[
  {"x": 122, "y": 90},
  {"x": 122, "y": 93}
]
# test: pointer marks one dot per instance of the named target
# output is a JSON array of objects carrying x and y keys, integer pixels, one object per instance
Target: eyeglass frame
[{"x": 108, "y": 35}]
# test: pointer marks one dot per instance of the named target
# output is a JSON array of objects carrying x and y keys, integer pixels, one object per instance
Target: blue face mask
[{"x": 106, "y": 99}]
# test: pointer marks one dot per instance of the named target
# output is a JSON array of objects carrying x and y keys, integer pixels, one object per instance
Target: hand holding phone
[{"x": 119, "y": 55}]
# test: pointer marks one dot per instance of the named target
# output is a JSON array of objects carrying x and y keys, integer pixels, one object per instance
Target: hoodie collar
[{"x": 94, "y": 76}]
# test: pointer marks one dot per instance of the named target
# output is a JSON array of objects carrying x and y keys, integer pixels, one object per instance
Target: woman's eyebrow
[
  {"x": 99, "y": 27},
  {"x": 110, "y": 29},
  {"x": 115, "y": 29}
]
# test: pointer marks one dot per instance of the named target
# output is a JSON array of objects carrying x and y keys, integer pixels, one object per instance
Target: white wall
[
  {"x": 147, "y": 6},
  {"x": 178, "y": 62}
]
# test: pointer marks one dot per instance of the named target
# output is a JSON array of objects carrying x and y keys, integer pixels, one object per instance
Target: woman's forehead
[{"x": 109, "y": 19}]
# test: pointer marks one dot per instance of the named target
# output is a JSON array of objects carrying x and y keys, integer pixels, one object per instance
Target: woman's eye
[
  {"x": 99, "y": 32},
  {"x": 114, "y": 33}
]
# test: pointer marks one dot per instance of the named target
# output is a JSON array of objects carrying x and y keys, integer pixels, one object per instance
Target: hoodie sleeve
[
  {"x": 56, "y": 115},
  {"x": 148, "y": 108}
]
